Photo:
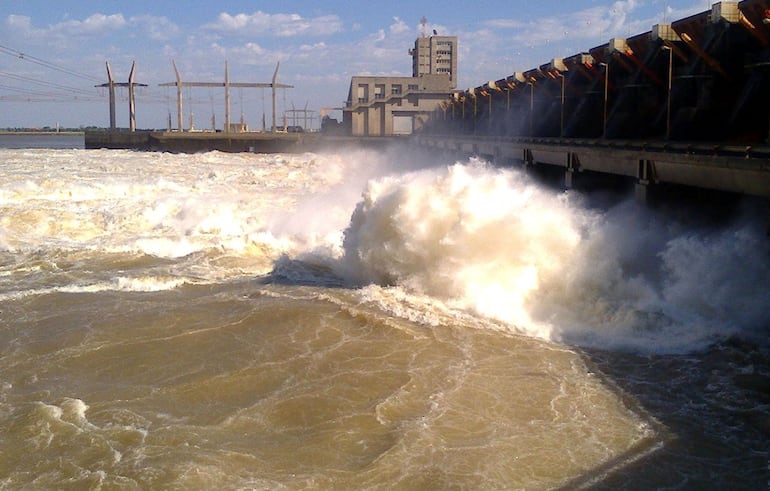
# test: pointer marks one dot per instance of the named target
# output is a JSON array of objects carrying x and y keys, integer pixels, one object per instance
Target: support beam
[
  {"x": 710, "y": 60},
  {"x": 227, "y": 99},
  {"x": 227, "y": 85},
  {"x": 111, "y": 85},
  {"x": 642, "y": 193},
  {"x": 573, "y": 167},
  {"x": 272, "y": 86},
  {"x": 645, "y": 174},
  {"x": 131, "y": 100},
  {"x": 180, "y": 116}
]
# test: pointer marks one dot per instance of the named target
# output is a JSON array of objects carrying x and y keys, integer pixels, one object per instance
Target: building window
[
  {"x": 396, "y": 89},
  {"x": 379, "y": 91},
  {"x": 363, "y": 91},
  {"x": 414, "y": 87}
]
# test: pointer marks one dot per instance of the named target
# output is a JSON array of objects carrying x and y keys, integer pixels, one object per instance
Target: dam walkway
[{"x": 742, "y": 169}]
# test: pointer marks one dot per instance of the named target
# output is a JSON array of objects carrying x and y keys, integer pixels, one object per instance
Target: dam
[{"x": 685, "y": 103}]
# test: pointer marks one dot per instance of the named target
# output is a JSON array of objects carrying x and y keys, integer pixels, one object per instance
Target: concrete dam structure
[{"x": 684, "y": 103}]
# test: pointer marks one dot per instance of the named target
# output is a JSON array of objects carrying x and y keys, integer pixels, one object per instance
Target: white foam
[
  {"x": 464, "y": 238},
  {"x": 492, "y": 242},
  {"x": 124, "y": 284},
  {"x": 480, "y": 238},
  {"x": 168, "y": 206}
]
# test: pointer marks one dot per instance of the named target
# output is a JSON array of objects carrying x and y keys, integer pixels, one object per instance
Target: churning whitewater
[
  {"x": 493, "y": 242},
  {"x": 467, "y": 237},
  {"x": 360, "y": 319}
]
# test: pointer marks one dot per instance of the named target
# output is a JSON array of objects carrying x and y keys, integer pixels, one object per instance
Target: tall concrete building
[
  {"x": 435, "y": 55},
  {"x": 388, "y": 106}
]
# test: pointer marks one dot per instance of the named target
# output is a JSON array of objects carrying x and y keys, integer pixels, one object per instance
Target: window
[
  {"x": 396, "y": 89},
  {"x": 414, "y": 87},
  {"x": 363, "y": 93}
]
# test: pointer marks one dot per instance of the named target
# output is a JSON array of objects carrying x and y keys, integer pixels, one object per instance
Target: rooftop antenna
[{"x": 423, "y": 26}]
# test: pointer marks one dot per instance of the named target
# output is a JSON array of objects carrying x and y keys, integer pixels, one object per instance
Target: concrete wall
[{"x": 384, "y": 97}]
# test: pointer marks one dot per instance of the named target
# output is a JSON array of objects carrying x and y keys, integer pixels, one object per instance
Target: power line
[
  {"x": 45, "y": 83},
  {"x": 30, "y": 95},
  {"x": 38, "y": 61},
  {"x": 24, "y": 90},
  {"x": 32, "y": 98},
  {"x": 49, "y": 96}
]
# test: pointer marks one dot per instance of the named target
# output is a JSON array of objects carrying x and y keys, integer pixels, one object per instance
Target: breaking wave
[{"x": 496, "y": 243}]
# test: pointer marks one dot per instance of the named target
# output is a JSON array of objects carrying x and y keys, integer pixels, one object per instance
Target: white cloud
[
  {"x": 528, "y": 44},
  {"x": 317, "y": 47},
  {"x": 250, "y": 53},
  {"x": 156, "y": 28},
  {"x": 398, "y": 26},
  {"x": 595, "y": 24},
  {"x": 92, "y": 25},
  {"x": 19, "y": 23},
  {"x": 504, "y": 24},
  {"x": 280, "y": 25}
]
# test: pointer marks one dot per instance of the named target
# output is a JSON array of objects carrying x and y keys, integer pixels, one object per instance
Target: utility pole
[
  {"x": 180, "y": 117},
  {"x": 227, "y": 99},
  {"x": 227, "y": 85},
  {"x": 111, "y": 85},
  {"x": 272, "y": 86},
  {"x": 131, "y": 99}
]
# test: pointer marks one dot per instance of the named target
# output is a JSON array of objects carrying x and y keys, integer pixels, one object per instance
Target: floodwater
[{"x": 363, "y": 320}]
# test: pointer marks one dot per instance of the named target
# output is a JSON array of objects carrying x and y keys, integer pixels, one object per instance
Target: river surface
[{"x": 370, "y": 320}]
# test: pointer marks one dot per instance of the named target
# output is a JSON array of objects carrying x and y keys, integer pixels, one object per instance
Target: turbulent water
[{"x": 362, "y": 320}]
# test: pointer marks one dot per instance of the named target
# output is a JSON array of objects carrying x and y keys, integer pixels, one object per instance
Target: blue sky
[{"x": 320, "y": 44}]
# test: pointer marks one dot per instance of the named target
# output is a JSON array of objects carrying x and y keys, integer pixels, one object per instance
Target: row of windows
[{"x": 379, "y": 91}]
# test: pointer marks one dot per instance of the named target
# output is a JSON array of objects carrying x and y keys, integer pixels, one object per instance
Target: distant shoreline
[{"x": 43, "y": 133}]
